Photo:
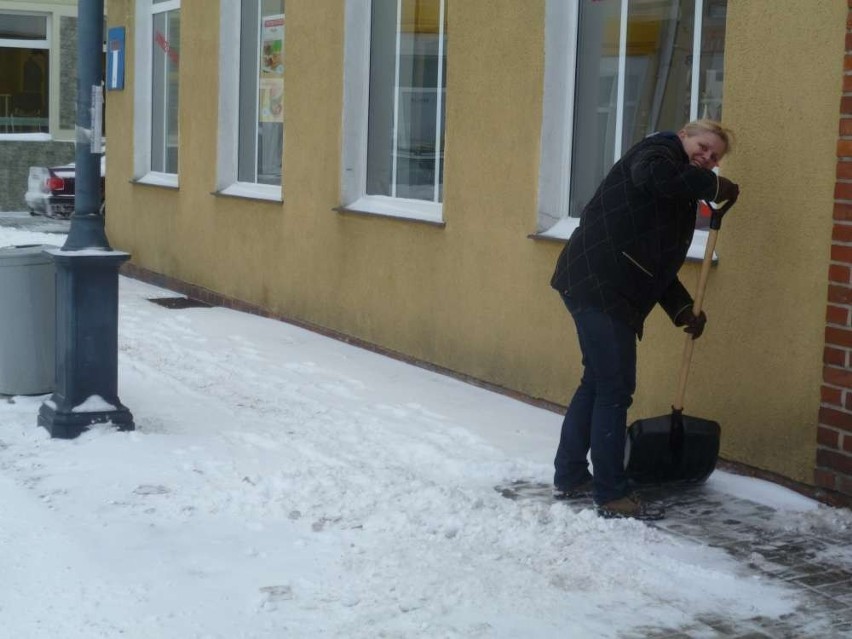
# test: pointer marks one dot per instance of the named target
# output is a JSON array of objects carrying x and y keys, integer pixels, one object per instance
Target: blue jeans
[{"x": 597, "y": 415}]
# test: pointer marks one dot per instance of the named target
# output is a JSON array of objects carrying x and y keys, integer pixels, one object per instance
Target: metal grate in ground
[{"x": 179, "y": 302}]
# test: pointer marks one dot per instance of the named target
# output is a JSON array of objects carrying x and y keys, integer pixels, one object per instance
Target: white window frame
[
  {"x": 561, "y": 40},
  {"x": 356, "y": 103},
  {"x": 227, "y": 182},
  {"x": 143, "y": 94}
]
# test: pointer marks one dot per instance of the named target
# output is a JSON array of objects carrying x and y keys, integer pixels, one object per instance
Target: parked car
[{"x": 50, "y": 190}]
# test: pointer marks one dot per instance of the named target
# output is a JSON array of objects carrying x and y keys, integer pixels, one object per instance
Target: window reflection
[
  {"x": 657, "y": 91},
  {"x": 165, "y": 92},
  {"x": 24, "y": 74},
  {"x": 407, "y": 95},
  {"x": 595, "y": 98},
  {"x": 261, "y": 132}
]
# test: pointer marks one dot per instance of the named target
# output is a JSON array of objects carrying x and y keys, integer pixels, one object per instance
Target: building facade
[{"x": 404, "y": 174}]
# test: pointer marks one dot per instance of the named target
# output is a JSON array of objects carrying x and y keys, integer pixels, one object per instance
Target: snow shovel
[{"x": 678, "y": 448}]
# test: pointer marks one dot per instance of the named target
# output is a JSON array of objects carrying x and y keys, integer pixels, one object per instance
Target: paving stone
[
  {"x": 843, "y": 588},
  {"x": 720, "y": 624},
  {"x": 822, "y": 578}
]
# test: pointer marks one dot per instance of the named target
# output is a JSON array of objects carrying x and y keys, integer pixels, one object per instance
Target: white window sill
[
  {"x": 563, "y": 228},
  {"x": 698, "y": 246},
  {"x": 155, "y": 178},
  {"x": 401, "y": 208},
  {"x": 25, "y": 137},
  {"x": 268, "y": 192}
]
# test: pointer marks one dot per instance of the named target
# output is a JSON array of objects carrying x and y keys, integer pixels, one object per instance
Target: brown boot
[{"x": 631, "y": 507}]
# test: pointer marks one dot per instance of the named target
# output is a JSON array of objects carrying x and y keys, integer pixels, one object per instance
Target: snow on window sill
[
  {"x": 698, "y": 246},
  {"x": 562, "y": 230},
  {"x": 415, "y": 210},
  {"x": 251, "y": 191},
  {"x": 25, "y": 137},
  {"x": 155, "y": 178}
]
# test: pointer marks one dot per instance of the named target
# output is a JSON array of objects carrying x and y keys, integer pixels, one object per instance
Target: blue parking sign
[{"x": 115, "y": 59}]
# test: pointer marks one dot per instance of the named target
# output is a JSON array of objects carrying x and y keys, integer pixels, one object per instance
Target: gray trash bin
[{"x": 27, "y": 320}]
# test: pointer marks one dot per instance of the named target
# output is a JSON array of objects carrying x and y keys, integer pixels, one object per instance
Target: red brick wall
[{"x": 834, "y": 436}]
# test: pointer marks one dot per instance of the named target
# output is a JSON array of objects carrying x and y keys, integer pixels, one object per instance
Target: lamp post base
[
  {"x": 66, "y": 423},
  {"x": 86, "y": 390}
]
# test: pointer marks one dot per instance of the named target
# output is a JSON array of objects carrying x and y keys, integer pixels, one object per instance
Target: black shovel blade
[{"x": 672, "y": 448}]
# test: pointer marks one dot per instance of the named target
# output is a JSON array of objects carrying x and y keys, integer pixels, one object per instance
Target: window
[
  {"x": 251, "y": 100},
  {"x": 395, "y": 86},
  {"x": 616, "y": 71},
  {"x": 24, "y": 73},
  {"x": 157, "y": 91}
]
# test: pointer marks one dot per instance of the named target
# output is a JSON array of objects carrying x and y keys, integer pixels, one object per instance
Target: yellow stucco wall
[
  {"x": 473, "y": 295},
  {"x": 784, "y": 65}
]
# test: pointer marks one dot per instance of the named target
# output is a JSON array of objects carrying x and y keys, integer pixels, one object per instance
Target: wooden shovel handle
[{"x": 696, "y": 309}]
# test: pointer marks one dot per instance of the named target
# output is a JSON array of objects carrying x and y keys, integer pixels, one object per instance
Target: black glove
[
  {"x": 694, "y": 323},
  {"x": 728, "y": 191}
]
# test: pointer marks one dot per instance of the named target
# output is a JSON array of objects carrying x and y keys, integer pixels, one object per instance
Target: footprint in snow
[
  {"x": 151, "y": 489},
  {"x": 272, "y": 596}
]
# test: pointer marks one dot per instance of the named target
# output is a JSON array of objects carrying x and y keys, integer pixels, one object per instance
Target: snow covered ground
[{"x": 284, "y": 484}]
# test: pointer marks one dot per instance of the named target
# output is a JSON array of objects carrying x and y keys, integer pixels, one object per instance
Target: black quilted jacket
[{"x": 634, "y": 234}]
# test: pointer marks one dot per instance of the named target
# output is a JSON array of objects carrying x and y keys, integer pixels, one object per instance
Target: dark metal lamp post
[{"x": 86, "y": 389}]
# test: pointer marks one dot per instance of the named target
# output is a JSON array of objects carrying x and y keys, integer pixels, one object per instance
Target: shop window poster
[{"x": 271, "y": 86}]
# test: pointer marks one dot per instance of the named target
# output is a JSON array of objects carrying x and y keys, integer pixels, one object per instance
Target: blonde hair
[{"x": 705, "y": 125}]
